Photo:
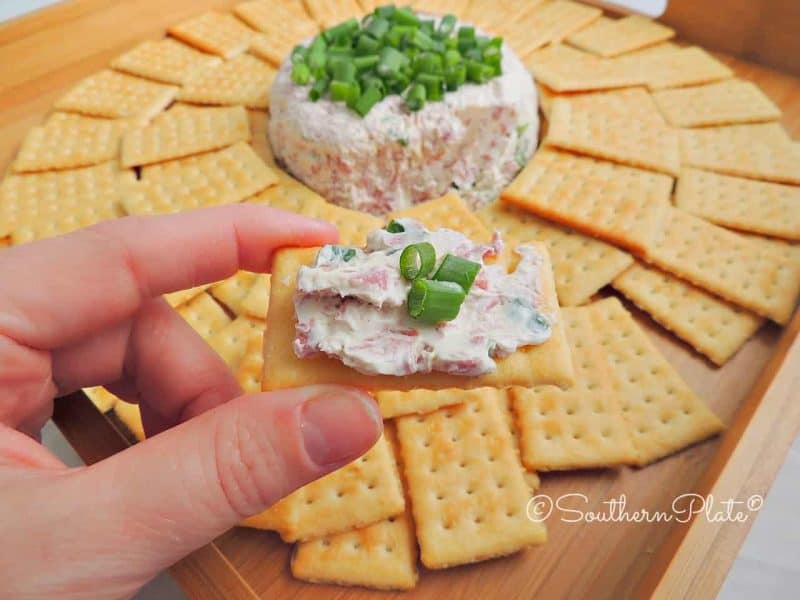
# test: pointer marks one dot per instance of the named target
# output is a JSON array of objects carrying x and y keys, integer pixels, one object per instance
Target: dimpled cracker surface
[
  {"x": 68, "y": 144},
  {"x": 234, "y": 289},
  {"x": 658, "y": 185},
  {"x": 366, "y": 491},
  {"x": 231, "y": 341},
  {"x": 255, "y": 303},
  {"x": 643, "y": 144},
  {"x": 218, "y": 33},
  {"x": 581, "y": 264},
  {"x": 181, "y": 297},
  {"x": 581, "y": 427},
  {"x": 609, "y": 37},
  {"x": 184, "y": 134},
  {"x": 546, "y": 363},
  {"x": 755, "y": 151},
  {"x": 380, "y": 556},
  {"x": 396, "y": 404},
  {"x": 565, "y": 69},
  {"x": 329, "y": 13},
  {"x": 242, "y": 80},
  {"x": 233, "y": 174},
  {"x": 634, "y": 104},
  {"x": 468, "y": 495},
  {"x": 722, "y": 103},
  {"x": 204, "y": 315},
  {"x": 687, "y": 66},
  {"x": 709, "y": 324},
  {"x": 629, "y": 218},
  {"x": 664, "y": 415},
  {"x": 740, "y": 270},
  {"x": 450, "y": 212},
  {"x": 353, "y": 225},
  {"x": 57, "y": 199},
  {"x": 786, "y": 250},
  {"x": 250, "y": 368},
  {"x": 166, "y": 60},
  {"x": 503, "y": 399},
  {"x": 760, "y": 207},
  {"x": 115, "y": 95},
  {"x": 281, "y": 28},
  {"x": 553, "y": 21}
]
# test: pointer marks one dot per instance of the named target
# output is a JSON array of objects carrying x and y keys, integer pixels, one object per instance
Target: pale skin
[{"x": 85, "y": 309}]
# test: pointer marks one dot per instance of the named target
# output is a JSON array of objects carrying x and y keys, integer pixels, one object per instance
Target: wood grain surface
[{"x": 755, "y": 394}]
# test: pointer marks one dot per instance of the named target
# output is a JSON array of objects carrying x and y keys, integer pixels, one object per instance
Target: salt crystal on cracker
[
  {"x": 722, "y": 103},
  {"x": 663, "y": 414},
  {"x": 115, "y": 95},
  {"x": 739, "y": 269},
  {"x": 242, "y": 80},
  {"x": 609, "y": 37},
  {"x": 465, "y": 482},
  {"x": 709, "y": 324},
  {"x": 184, "y": 134},
  {"x": 756, "y": 206},
  {"x": 647, "y": 145},
  {"x": 214, "y": 32}
]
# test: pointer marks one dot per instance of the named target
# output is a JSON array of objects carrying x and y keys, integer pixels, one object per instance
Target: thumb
[{"x": 175, "y": 492}]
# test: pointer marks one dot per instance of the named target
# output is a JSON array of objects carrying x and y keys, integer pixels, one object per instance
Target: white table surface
[{"x": 768, "y": 563}]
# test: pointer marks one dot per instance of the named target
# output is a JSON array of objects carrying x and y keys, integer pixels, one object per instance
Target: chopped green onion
[
  {"x": 451, "y": 57},
  {"x": 434, "y": 301},
  {"x": 344, "y": 91},
  {"x": 342, "y": 69},
  {"x": 385, "y": 12},
  {"x": 378, "y": 27},
  {"x": 367, "y": 45},
  {"x": 433, "y": 86},
  {"x": 455, "y": 76},
  {"x": 457, "y": 270},
  {"x": 466, "y": 32},
  {"x": 299, "y": 53},
  {"x": 405, "y": 16},
  {"x": 492, "y": 56},
  {"x": 478, "y": 72},
  {"x": 319, "y": 88},
  {"x": 346, "y": 28},
  {"x": 421, "y": 40},
  {"x": 415, "y": 97},
  {"x": 362, "y": 63},
  {"x": 395, "y": 227},
  {"x": 446, "y": 26},
  {"x": 417, "y": 260},
  {"x": 474, "y": 53},
  {"x": 428, "y": 62},
  {"x": 427, "y": 26},
  {"x": 301, "y": 74},
  {"x": 371, "y": 96}
]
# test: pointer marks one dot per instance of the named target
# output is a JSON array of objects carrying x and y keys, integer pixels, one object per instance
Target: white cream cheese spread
[{"x": 351, "y": 304}]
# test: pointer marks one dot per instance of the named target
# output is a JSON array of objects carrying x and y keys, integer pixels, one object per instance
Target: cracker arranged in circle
[
  {"x": 365, "y": 491},
  {"x": 582, "y": 427},
  {"x": 761, "y": 151},
  {"x": 744, "y": 204},
  {"x": 565, "y": 69},
  {"x": 647, "y": 145},
  {"x": 551, "y": 22},
  {"x": 38, "y": 205},
  {"x": 626, "y": 217},
  {"x": 663, "y": 414},
  {"x": 281, "y": 27},
  {"x": 465, "y": 482},
  {"x": 634, "y": 103},
  {"x": 329, "y": 13},
  {"x": 186, "y": 133},
  {"x": 380, "y": 556},
  {"x": 214, "y": 32},
  {"x": 612, "y": 37},
  {"x": 687, "y": 66},
  {"x": 544, "y": 363},
  {"x": 115, "y": 95},
  {"x": 581, "y": 264},
  {"x": 166, "y": 60},
  {"x": 739, "y": 269},
  {"x": 399, "y": 403},
  {"x": 242, "y": 80},
  {"x": 711, "y": 325},
  {"x": 722, "y": 103}
]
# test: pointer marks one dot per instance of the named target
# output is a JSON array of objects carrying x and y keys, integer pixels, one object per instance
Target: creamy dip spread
[
  {"x": 473, "y": 142},
  {"x": 350, "y": 304}
]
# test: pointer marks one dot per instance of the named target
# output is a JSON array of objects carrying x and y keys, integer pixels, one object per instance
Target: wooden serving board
[{"x": 755, "y": 394}]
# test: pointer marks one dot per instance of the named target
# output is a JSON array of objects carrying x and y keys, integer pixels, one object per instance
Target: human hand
[{"x": 85, "y": 309}]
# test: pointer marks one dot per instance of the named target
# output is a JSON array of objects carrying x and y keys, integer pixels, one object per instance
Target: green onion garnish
[
  {"x": 434, "y": 301},
  {"x": 417, "y": 260},
  {"x": 394, "y": 51},
  {"x": 457, "y": 270},
  {"x": 395, "y": 227}
]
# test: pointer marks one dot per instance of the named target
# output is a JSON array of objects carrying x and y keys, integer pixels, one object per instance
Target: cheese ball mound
[{"x": 472, "y": 142}]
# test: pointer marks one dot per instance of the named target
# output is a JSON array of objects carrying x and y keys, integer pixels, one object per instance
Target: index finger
[{"x": 55, "y": 291}]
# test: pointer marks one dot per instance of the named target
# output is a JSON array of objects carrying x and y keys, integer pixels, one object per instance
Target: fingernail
[{"x": 339, "y": 426}]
